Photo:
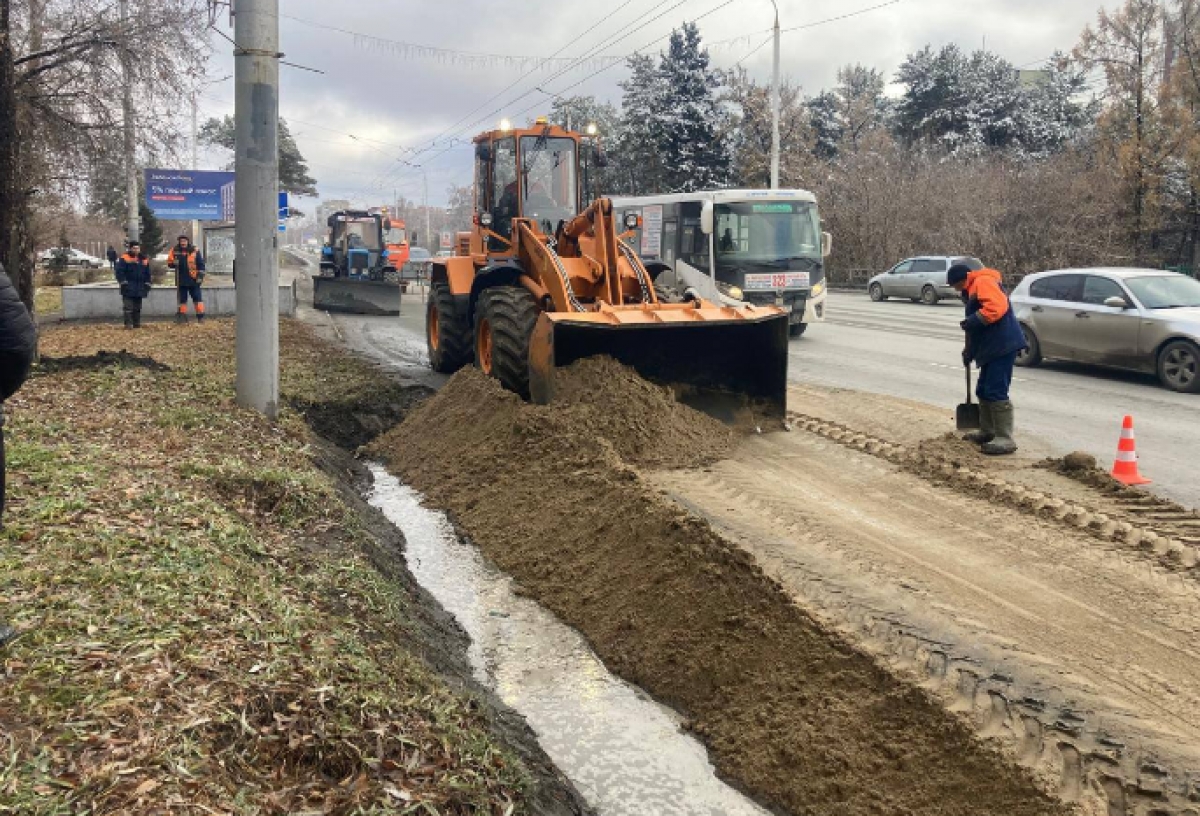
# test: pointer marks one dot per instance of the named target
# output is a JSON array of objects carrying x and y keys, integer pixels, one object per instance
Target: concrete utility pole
[
  {"x": 256, "y": 116},
  {"x": 775, "y": 106},
  {"x": 195, "y": 159},
  {"x": 132, "y": 229}
]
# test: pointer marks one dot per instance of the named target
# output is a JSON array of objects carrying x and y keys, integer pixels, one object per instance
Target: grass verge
[{"x": 201, "y": 630}]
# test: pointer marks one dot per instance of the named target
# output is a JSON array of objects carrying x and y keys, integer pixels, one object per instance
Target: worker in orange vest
[{"x": 188, "y": 264}]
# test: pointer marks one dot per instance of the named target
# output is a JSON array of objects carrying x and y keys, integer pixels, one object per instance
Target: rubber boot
[
  {"x": 987, "y": 430},
  {"x": 1002, "y": 423}
]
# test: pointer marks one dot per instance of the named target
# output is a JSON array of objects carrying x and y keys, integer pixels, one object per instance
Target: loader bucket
[
  {"x": 354, "y": 296},
  {"x": 728, "y": 364}
]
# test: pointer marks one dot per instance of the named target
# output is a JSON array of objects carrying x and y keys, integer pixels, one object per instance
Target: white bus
[{"x": 738, "y": 246}]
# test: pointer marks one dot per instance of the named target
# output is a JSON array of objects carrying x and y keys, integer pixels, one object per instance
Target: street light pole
[
  {"x": 256, "y": 118},
  {"x": 775, "y": 106}
]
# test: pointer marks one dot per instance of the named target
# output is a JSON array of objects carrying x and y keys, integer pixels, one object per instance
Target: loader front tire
[
  {"x": 447, "y": 333},
  {"x": 504, "y": 321}
]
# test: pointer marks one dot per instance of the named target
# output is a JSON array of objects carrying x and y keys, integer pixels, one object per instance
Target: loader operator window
[
  {"x": 504, "y": 185},
  {"x": 548, "y": 184}
]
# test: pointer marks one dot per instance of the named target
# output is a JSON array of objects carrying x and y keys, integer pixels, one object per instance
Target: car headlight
[{"x": 818, "y": 288}]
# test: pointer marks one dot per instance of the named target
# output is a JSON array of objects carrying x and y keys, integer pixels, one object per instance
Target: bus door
[{"x": 693, "y": 268}]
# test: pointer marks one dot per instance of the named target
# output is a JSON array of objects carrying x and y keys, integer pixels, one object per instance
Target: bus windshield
[
  {"x": 767, "y": 232},
  {"x": 396, "y": 235}
]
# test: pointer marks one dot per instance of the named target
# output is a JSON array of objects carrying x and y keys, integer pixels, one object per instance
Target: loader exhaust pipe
[{"x": 726, "y": 369}]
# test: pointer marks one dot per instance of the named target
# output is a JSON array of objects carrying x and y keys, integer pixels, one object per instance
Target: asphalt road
[{"x": 902, "y": 349}]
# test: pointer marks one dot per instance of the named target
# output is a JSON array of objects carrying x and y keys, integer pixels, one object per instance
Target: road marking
[{"x": 959, "y": 368}]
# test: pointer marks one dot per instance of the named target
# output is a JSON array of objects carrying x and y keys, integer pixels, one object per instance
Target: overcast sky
[{"x": 396, "y": 101}]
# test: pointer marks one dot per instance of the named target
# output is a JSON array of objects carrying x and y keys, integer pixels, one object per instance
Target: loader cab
[{"x": 530, "y": 173}]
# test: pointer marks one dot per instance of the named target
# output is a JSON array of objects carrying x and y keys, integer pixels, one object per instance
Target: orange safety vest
[{"x": 193, "y": 270}]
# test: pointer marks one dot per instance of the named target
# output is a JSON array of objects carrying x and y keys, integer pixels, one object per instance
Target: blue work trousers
[{"x": 995, "y": 378}]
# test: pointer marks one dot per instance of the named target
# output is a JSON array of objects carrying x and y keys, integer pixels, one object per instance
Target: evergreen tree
[
  {"x": 827, "y": 123},
  {"x": 687, "y": 129},
  {"x": 151, "y": 232},
  {"x": 637, "y": 167},
  {"x": 294, "y": 177},
  {"x": 965, "y": 103},
  {"x": 1052, "y": 115}
]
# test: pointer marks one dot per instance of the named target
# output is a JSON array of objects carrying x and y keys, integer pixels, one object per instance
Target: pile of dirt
[
  {"x": 101, "y": 359},
  {"x": 642, "y": 420},
  {"x": 789, "y": 712}
]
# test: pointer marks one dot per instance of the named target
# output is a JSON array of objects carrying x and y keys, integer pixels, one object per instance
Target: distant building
[
  {"x": 329, "y": 207},
  {"x": 1029, "y": 79}
]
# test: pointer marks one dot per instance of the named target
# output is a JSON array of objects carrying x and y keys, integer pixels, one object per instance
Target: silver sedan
[{"x": 1137, "y": 319}]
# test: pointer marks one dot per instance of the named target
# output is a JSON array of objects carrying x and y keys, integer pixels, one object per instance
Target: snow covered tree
[
  {"x": 977, "y": 103},
  {"x": 828, "y": 126},
  {"x": 1051, "y": 115},
  {"x": 687, "y": 128},
  {"x": 635, "y": 158},
  {"x": 749, "y": 131},
  {"x": 967, "y": 104}
]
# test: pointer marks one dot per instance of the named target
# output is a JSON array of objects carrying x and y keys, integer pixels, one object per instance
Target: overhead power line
[{"x": 452, "y": 56}]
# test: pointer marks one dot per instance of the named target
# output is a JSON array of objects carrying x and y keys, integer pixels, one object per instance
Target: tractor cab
[
  {"x": 532, "y": 173},
  {"x": 355, "y": 246}
]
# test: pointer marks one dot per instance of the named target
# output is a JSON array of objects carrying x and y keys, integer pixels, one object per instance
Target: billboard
[
  {"x": 229, "y": 200},
  {"x": 183, "y": 195}
]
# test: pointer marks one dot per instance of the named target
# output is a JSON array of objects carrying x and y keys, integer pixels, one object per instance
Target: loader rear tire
[
  {"x": 447, "y": 333},
  {"x": 504, "y": 321}
]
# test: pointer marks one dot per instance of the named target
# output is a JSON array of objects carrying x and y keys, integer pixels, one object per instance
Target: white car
[{"x": 74, "y": 258}]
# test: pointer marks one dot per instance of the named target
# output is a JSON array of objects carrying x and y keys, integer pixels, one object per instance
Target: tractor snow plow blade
[
  {"x": 721, "y": 361},
  {"x": 352, "y": 296}
]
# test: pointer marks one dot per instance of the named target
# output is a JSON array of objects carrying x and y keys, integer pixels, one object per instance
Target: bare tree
[
  {"x": 60, "y": 80},
  {"x": 1127, "y": 46}
]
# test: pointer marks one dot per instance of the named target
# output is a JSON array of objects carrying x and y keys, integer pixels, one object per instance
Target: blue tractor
[{"x": 355, "y": 274}]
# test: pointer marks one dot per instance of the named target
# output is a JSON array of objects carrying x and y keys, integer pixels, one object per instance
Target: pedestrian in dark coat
[
  {"x": 188, "y": 264},
  {"x": 18, "y": 343},
  {"x": 112, "y": 257},
  {"x": 994, "y": 339},
  {"x": 133, "y": 273}
]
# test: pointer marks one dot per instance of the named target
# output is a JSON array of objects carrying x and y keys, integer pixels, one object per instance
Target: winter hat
[{"x": 957, "y": 273}]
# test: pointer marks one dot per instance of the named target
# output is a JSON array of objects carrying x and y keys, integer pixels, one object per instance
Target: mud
[
  {"x": 790, "y": 712},
  {"x": 350, "y": 424},
  {"x": 1055, "y": 643},
  {"x": 101, "y": 359},
  {"x": 1146, "y": 526}
]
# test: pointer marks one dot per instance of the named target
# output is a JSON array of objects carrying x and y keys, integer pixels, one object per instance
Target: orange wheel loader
[{"x": 540, "y": 282}]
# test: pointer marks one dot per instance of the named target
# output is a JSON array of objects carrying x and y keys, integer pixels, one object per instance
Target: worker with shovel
[{"x": 994, "y": 339}]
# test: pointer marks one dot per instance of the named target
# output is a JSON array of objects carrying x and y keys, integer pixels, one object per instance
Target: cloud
[{"x": 396, "y": 104}]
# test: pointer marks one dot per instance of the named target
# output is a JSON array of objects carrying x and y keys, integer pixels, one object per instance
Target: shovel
[{"x": 966, "y": 415}]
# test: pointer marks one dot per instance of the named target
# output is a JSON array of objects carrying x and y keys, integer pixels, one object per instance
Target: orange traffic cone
[{"x": 1125, "y": 469}]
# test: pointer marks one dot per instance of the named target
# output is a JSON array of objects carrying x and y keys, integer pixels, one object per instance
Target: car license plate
[{"x": 776, "y": 280}]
